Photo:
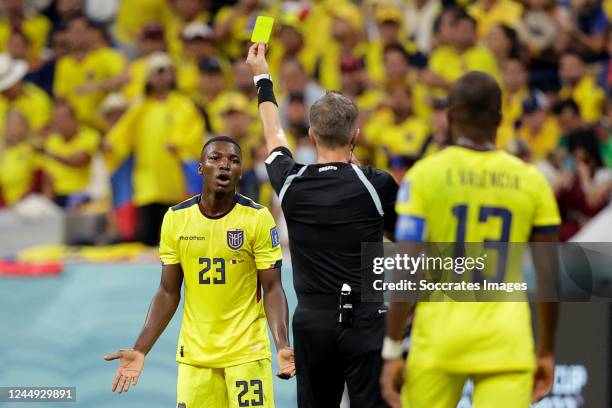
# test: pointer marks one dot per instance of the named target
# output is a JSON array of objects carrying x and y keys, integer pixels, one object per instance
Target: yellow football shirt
[
  {"x": 66, "y": 179},
  {"x": 71, "y": 74},
  {"x": 146, "y": 130},
  {"x": 33, "y": 103},
  {"x": 17, "y": 165},
  {"x": 507, "y": 12},
  {"x": 544, "y": 142},
  {"x": 589, "y": 97},
  {"x": 395, "y": 139},
  {"x": 35, "y": 27},
  {"x": 462, "y": 195},
  {"x": 447, "y": 62},
  {"x": 224, "y": 322}
]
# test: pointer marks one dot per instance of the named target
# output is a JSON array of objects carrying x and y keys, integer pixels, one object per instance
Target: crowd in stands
[{"x": 110, "y": 102}]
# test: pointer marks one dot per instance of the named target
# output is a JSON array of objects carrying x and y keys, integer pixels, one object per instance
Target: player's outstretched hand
[
  {"x": 391, "y": 378},
  {"x": 543, "y": 377},
  {"x": 256, "y": 59},
  {"x": 130, "y": 366},
  {"x": 286, "y": 362}
]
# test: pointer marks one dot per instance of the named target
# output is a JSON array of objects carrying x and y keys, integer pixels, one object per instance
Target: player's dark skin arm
[
  {"x": 161, "y": 310},
  {"x": 547, "y": 267},
  {"x": 277, "y": 313}
]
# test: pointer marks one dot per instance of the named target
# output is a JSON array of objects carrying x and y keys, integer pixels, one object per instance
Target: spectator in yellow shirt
[
  {"x": 347, "y": 41},
  {"x": 290, "y": 44},
  {"x": 395, "y": 130},
  {"x": 163, "y": 134},
  {"x": 208, "y": 99},
  {"x": 233, "y": 26},
  {"x": 17, "y": 159},
  {"x": 389, "y": 22},
  {"x": 67, "y": 153},
  {"x": 183, "y": 13},
  {"x": 514, "y": 91},
  {"x": 26, "y": 97},
  {"x": 399, "y": 71},
  {"x": 151, "y": 40},
  {"x": 82, "y": 77},
  {"x": 198, "y": 44},
  {"x": 34, "y": 26},
  {"x": 237, "y": 123},
  {"x": 488, "y": 13},
  {"x": 462, "y": 54},
  {"x": 581, "y": 87},
  {"x": 539, "y": 128},
  {"x": 134, "y": 15}
]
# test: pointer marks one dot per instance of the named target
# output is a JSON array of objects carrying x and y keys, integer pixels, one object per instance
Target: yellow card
[{"x": 262, "y": 29}]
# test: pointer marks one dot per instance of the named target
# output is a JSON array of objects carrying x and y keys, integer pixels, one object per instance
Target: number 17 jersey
[
  {"x": 463, "y": 195},
  {"x": 224, "y": 322}
]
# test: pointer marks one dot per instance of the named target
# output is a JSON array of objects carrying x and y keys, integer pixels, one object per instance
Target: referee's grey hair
[{"x": 333, "y": 119}]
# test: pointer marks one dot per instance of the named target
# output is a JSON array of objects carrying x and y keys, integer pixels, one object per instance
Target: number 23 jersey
[{"x": 224, "y": 322}]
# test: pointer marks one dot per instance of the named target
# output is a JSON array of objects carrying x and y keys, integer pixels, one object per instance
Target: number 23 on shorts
[{"x": 250, "y": 385}]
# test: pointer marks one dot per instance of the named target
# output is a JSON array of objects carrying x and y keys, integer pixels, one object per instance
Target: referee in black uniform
[{"x": 331, "y": 208}]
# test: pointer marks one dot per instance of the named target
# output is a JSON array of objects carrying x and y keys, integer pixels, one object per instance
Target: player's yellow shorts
[
  {"x": 429, "y": 388},
  {"x": 244, "y": 385}
]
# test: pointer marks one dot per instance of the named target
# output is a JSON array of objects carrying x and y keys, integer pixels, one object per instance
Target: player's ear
[
  {"x": 312, "y": 137},
  {"x": 200, "y": 169},
  {"x": 355, "y": 137}
]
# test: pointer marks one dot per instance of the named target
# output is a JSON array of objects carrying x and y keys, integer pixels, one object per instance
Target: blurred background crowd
[{"x": 105, "y": 104}]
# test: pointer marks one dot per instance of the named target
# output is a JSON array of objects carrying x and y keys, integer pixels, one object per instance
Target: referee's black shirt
[{"x": 330, "y": 210}]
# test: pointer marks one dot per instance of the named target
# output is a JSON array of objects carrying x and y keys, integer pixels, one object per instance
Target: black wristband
[{"x": 265, "y": 91}]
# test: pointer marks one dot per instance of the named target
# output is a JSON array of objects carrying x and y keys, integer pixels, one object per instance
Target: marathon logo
[
  {"x": 327, "y": 168},
  {"x": 191, "y": 238}
]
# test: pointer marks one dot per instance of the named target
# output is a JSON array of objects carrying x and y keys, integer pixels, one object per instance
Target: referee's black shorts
[{"x": 327, "y": 355}]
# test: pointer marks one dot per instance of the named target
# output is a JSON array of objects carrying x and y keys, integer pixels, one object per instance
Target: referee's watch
[{"x": 256, "y": 78}]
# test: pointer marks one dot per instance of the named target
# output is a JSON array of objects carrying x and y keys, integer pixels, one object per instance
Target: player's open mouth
[{"x": 223, "y": 180}]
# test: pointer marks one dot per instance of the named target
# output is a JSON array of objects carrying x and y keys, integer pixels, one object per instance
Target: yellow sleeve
[
  {"x": 266, "y": 248},
  {"x": 168, "y": 245},
  {"x": 113, "y": 62},
  {"x": 121, "y": 137},
  {"x": 546, "y": 212},
  {"x": 61, "y": 84},
  {"x": 411, "y": 197},
  {"x": 189, "y": 134},
  {"x": 90, "y": 141}
]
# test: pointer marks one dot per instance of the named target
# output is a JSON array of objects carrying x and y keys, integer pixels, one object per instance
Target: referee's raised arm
[{"x": 268, "y": 109}]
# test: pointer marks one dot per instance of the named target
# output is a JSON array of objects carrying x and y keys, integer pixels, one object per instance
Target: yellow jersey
[
  {"x": 224, "y": 322},
  {"x": 71, "y": 74},
  {"x": 462, "y": 195},
  {"x": 35, "y": 27},
  {"x": 589, "y": 97},
  {"x": 544, "y": 142},
  {"x": 17, "y": 166},
  {"x": 450, "y": 64},
  {"x": 507, "y": 12},
  {"x": 33, "y": 103},
  {"x": 66, "y": 179},
  {"x": 147, "y": 130}
]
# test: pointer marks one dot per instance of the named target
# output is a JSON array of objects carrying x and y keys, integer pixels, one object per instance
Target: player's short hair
[
  {"x": 226, "y": 139},
  {"x": 475, "y": 101},
  {"x": 333, "y": 119}
]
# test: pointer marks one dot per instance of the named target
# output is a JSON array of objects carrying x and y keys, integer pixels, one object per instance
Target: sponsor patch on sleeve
[{"x": 274, "y": 237}]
